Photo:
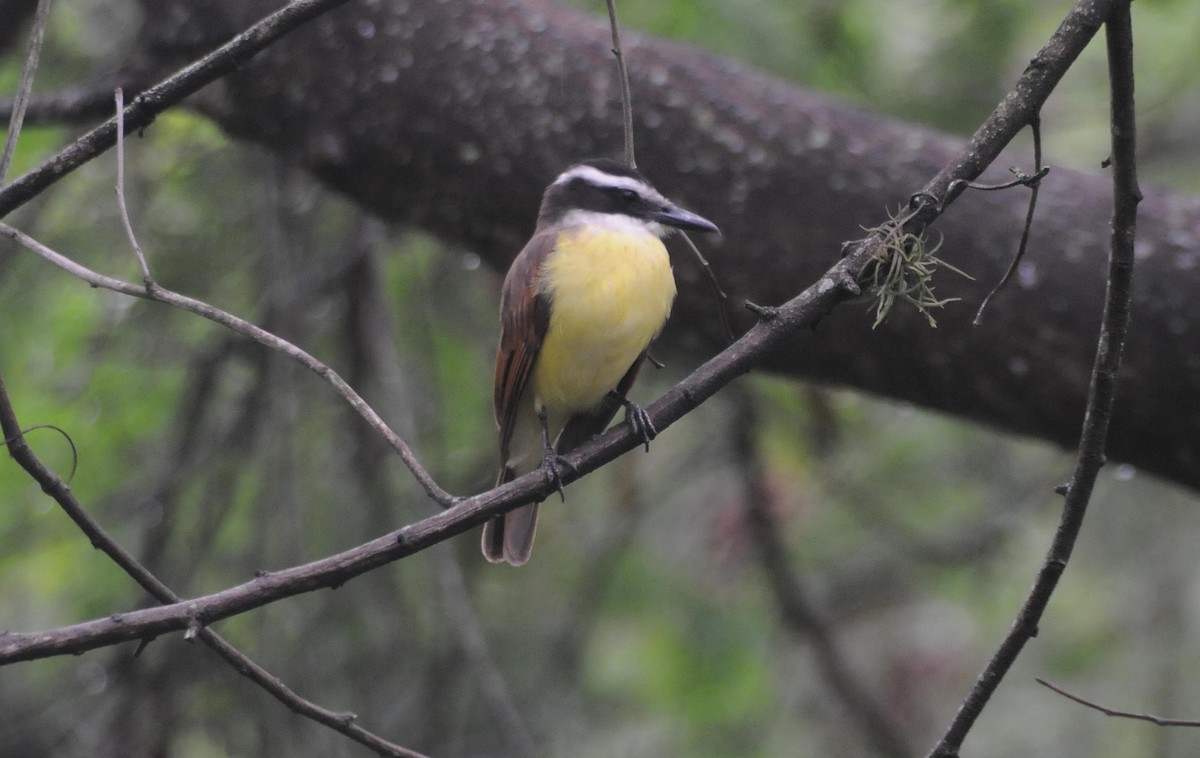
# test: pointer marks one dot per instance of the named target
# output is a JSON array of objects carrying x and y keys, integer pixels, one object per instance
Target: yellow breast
[{"x": 611, "y": 290}]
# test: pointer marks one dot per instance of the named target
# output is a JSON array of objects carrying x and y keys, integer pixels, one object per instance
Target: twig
[
  {"x": 247, "y": 329},
  {"x": 137, "y": 249},
  {"x": 1159, "y": 720},
  {"x": 56, "y": 488},
  {"x": 722, "y": 298},
  {"x": 769, "y": 334},
  {"x": 1034, "y": 183},
  {"x": 623, "y": 75},
  {"x": 1020, "y": 178},
  {"x": 144, "y": 108},
  {"x": 799, "y": 612},
  {"x": 37, "y": 36},
  {"x": 1126, "y": 196},
  {"x": 23, "y": 432}
]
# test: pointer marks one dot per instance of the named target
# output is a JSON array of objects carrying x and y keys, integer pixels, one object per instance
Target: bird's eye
[{"x": 628, "y": 195}]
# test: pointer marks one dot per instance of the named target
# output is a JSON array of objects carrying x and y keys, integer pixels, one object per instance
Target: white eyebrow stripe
[{"x": 595, "y": 176}]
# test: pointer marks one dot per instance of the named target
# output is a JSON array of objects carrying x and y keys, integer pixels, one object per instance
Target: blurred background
[{"x": 649, "y": 622}]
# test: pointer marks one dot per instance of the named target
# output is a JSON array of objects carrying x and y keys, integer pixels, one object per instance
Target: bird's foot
[
  {"x": 551, "y": 461},
  {"x": 638, "y": 420}
]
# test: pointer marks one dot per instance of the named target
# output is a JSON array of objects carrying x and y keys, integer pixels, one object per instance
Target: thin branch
[
  {"x": 56, "y": 488},
  {"x": 1159, "y": 720},
  {"x": 1023, "y": 103},
  {"x": 35, "y": 427},
  {"x": 1126, "y": 196},
  {"x": 137, "y": 249},
  {"x": 775, "y": 329},
  {"x": 37, "y": 36},
  {"x": 160, "y": 294},
  {"x": 623, "y": 75},
  {"x": 1020, "y": 178},
  {"x": 1034, "y": 183},
  {"x": 799, "y": 612},
  {"x": 722, "y": 298},
  {"x": 144, "y": 108}
]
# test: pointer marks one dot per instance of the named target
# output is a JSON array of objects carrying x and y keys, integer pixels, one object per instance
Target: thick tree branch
[{"x": 453, "y": 117}]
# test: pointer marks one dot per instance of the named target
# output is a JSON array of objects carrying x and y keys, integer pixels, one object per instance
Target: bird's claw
[
  {"x": 550, "y": 467},
  {"x": 639, "y": 421}
]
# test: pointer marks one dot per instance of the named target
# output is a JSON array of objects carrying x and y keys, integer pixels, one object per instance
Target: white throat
[{"x": 614, "y": 222}]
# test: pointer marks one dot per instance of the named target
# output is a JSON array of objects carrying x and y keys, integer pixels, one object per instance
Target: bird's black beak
[{"x": 680, "y": 219}]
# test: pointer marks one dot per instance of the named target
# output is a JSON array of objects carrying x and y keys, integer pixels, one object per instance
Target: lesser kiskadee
[{"x": 579, "y": 307}]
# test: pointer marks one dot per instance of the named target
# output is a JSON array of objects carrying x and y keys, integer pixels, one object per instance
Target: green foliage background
[{"x": 644, "y": 626}]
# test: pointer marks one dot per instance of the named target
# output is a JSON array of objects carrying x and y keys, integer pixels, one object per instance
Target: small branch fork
[
  {"x": 1126, "y": 196},
  {"x": 137, "y": 249},
  {"x": 1034, "y": 183}
]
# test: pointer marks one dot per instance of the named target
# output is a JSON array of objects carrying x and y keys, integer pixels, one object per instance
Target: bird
[{"x": 578, "y": 309}]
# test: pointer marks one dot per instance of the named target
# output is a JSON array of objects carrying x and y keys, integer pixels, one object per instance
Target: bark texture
[{"x": 454, "y": 116}]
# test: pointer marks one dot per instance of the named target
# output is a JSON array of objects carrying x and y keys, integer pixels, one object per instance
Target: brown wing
[{"x": 524, "y": 318}]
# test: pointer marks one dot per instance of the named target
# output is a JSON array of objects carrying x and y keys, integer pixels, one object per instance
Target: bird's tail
[{"x": 508, "y": 538}]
